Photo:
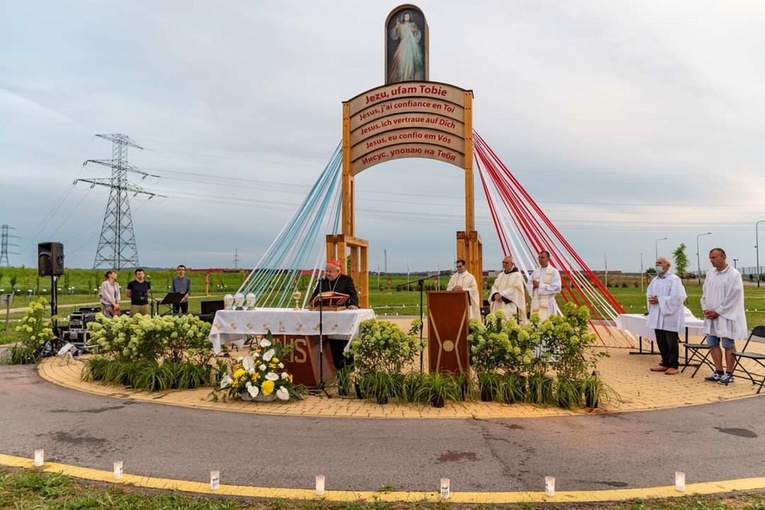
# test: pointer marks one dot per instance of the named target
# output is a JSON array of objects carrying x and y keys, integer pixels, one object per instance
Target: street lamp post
[
  {"x": 757, "y": 247},
  {"x": 735, "y": 266},
  {"x": 656, "y": 245},
  {"x": 698, "y": 259}
]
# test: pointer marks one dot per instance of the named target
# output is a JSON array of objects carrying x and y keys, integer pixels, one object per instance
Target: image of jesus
[{"x": 408, "y": 61}]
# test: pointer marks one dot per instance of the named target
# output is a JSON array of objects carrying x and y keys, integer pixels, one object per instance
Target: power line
[{"x": 116, "y": 246}]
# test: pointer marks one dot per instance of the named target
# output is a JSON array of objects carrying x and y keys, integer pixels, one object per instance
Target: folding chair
[
  {"x": 758, "y": 331},
  {"x": 694, "y": 352}
]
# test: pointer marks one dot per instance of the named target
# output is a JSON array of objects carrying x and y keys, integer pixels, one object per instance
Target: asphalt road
[{"x": 710, "y": 442}]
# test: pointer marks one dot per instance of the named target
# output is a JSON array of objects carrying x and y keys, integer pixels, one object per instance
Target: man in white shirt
[
  {"x": 722, "y": 302},
  {"x": 462, "y": 280},
  {"x": 509, "y": 292},
  {"x": 543, "y": 286},
  {"x": 666, "y": 315}
]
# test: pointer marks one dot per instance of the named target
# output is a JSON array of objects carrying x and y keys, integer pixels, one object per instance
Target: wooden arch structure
[{"x": 405, "y": 120}]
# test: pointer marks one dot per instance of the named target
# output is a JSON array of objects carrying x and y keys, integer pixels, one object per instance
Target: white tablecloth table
[
  {"x": 236, "y": 325},
  {"x": 636, "y": 323}
]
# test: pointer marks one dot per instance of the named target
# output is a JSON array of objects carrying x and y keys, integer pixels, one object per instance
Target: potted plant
[
  {"x": 489, "y": 387},
  {"x": 540, "y": 389},
  {"x": 380, "y": 386},
  {"x": 596, "y": 391},
  {"x": 343, "y": 381},
  {"x": 412, "y": 385},
  {"x": 438, "y": 387},
  {"x": 568, "y": 392},
  {"x": 512, "y": 387}
]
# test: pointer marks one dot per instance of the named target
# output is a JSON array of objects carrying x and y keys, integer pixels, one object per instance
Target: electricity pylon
[
  {"x": 116, "y": 246},
  {"x": 4, "y": 236}
]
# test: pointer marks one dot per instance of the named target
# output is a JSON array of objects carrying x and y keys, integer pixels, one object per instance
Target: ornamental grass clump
[{"x": 35, "y": 330}]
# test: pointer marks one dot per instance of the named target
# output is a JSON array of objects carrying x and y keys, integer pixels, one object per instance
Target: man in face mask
[{"x": 666, "y": 314}]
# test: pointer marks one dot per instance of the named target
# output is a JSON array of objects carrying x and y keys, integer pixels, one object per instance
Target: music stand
[
  {"x": 332, "y": 301},
  {"x": 170, "y": 299}
]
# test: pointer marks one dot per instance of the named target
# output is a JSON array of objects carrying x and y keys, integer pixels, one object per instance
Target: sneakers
[
  {"x": 715, "y": 377},
  {"x": 726, "y": 379}
]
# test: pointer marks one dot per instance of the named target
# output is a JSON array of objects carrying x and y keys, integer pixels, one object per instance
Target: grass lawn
[{"x": 43, "y": 491}]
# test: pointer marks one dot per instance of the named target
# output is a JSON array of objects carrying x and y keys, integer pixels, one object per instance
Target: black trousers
[
  {"x": 668, "y": 347},
  {"x": 338, "y": 357},
  {"x": 181, "y": 307}
]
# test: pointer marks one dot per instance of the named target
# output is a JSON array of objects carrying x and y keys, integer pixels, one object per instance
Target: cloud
[{"x": 627, "y": 123}]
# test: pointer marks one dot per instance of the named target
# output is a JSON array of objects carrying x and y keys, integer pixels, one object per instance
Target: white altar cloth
[
  {"x": 635, "y": 323},
  {"x": 237, "y": 325}
]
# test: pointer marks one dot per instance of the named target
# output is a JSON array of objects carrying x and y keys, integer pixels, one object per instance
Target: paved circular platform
[{"x": 637, "y": 388}]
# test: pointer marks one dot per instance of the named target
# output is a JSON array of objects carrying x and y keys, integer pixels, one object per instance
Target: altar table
[
  {"x": 232, "y": 325},
  {"x": 307, "y": 332}
]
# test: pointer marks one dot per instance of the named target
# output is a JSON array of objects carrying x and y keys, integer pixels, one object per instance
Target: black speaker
[{"x": 50, "y": 259}]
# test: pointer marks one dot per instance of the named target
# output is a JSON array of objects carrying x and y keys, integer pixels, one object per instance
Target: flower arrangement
[{"x": 261, "y": 375}]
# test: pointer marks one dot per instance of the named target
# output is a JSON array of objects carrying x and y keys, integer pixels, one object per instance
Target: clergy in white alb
[
  {"x": 724, "y": 293},
  {"x": 462, "y": 280},
  {"x": 666, "y": 315},
  {"x": 509, "y": 292},
  {"x": 543, "y": 286},
  {"x": 722, "y": 303}
]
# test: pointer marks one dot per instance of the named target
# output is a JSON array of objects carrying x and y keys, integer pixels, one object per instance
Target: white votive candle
[
  {"x": 549, "y": 486},
  {"x": 444, "y": 488},
  {"x": 214, "y": 480},
  {"x": 680, "y": 481},
  {"x": 39, "y": 458},
  {"x": 319, "y": 485},
  {"x": 118, "y": 470}
]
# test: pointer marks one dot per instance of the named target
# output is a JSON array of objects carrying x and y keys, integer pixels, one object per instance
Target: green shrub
[
  {"x": 170, "y": 338},
  {"x": 383, "y": 347},
  {"x": 35, "y": 329}
]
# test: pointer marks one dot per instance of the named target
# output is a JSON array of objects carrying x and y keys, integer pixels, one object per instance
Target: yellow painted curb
[{"x": 742, "y": 484}]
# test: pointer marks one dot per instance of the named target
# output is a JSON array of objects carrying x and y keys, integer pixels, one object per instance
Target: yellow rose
[
  {"x": 267, "y": 387},
  {"x": 239, "y": 373}
]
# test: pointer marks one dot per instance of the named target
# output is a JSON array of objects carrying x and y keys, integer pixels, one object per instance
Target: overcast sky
[{"x": 627, "y": 121}]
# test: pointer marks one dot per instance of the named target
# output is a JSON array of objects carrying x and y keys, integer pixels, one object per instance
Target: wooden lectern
[{"x": 448, "y": 315}]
